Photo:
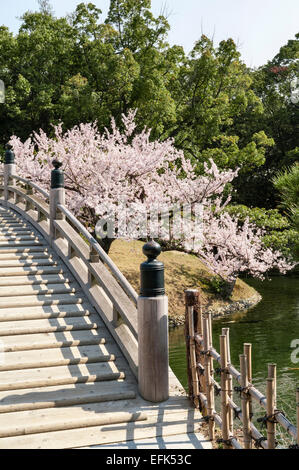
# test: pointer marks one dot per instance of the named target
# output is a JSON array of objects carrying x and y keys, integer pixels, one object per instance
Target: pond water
[{"x": 270, "y": 326}]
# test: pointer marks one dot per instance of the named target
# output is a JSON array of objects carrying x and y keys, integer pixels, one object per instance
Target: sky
[{"x": 259, "y": 27}]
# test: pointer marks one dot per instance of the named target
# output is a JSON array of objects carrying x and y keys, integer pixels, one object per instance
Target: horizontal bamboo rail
[{"x": 204, "y": 349}]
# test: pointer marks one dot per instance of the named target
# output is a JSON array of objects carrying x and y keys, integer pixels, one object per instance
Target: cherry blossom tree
[
  {"x": 231, "y": 248},
  {"x": 104, "y": 169}
]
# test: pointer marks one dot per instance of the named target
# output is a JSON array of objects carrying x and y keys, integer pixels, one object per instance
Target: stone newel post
[{"x": 152, "y": 306}]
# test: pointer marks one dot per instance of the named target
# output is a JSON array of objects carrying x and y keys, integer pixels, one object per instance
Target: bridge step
[
  {"x": 160, "y": 426},
  {"x": 10, "y": 218},
  {"x": 37, "y": 242},
  {"x": 56, "y": 357},
  {"x": 24, "y": 256},
  {"x": 35, "y": 280},
  {"x": 18, "y": 238},
  {"x": 11, "y": 263},
  {"x": 29, "y": 422},
  {"x": 16, "y": 233},
  {"x": 51, "y": 340},
  {"x": 39, "y": 289},
  {"x": 59, "y": 375},
  {"x": 13, "y": 225},
  {"x": 65, "y": 395},
  {"x": 50, "y": 325},
  {"x": 40, "y": 270},
  {"x": 16, "y": 230},
  {"x": 47, "y": 299},
  {"x": 31, "y": 249},
  {"x": 38, "y": 313},
  {"x": 60, "y": 368},
  {"x": 19, "y": 233}
]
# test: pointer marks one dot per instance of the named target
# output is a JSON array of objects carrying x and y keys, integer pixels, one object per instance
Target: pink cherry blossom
[{"x": 102, "y": 169}]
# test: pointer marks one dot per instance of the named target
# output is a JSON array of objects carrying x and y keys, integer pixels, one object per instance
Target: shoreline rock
[{"x": 226, "y": 308}]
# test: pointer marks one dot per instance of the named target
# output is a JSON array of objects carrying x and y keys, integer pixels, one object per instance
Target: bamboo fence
[{"x": 202, "y": 385}]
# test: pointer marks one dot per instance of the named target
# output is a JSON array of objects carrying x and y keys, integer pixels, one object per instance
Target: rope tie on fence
[
  {"x": 190, "y": 337},
  {"x": 294, "y": 446},
  {"x": 195, "y": 396},
  {"x": 205, "y": 353},
  {"x": 241, "y": 390},
  {"x": 208, "y": 418},
  {"x": 200, "y": 369},
  {"x": 237, "y": 412},
  {"x": 220, "y": 371},
  {"x": 270, "y": 418},
  {"x": 227, "y": 442},
  {"x": 258, "y": 442}
]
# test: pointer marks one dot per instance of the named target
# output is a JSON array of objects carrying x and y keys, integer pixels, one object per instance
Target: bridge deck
[{"x": 64, "y": 383}]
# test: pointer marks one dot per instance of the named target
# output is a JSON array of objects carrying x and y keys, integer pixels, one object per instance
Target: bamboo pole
[
  {"x": 270, "y": 413},
  {"x": 199, "y": 348},
  {"x": 248, "y": 354},
  {"x": 190, "y": 300},
  {"x": 208, "y": 380},
  {"x": 199, "y": 324},
  {"x": 225, "y": 331},
  {"x": 195, "y": 383},
  {"x": 224, "y": 391},
  {"x": 271, "y": 392},
  {"x": 272, "y": 375},
  {"x": 245, "y": 402},
  {"x": 211, "y": 362}
]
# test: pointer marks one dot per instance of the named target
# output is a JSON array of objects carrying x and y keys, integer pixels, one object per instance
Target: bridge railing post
[
  {"x": 152, "y": 306},
  {"x": 8, "y": 170},
  {"x": 57, "y": 195}
]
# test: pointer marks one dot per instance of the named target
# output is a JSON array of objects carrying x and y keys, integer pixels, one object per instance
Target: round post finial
[
  {"x": 152, "y": 271},
  {"x": 57, "y": 175},
  {"x": 9, "y": 157}
]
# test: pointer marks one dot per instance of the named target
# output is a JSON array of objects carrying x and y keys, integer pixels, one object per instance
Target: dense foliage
[
  {"x": 287, "y": 183},
  {"x": 122, "y": 179}
]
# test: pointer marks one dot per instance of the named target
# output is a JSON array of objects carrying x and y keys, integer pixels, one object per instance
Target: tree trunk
[
  {"x": 228, "y": 288},
  {"x": 105, "y": 243}
]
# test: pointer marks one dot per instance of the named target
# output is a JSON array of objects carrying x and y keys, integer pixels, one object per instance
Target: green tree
[
  {"x": 139, "y": 32},
  {"x": 83, "y": 68},
  {"x": 35, "y": 64},
  {"x": 287, "y": 183},
  {"x": 212, "y": 91},
  {"x": 279, "y": 231},
  {"x": 272, "y": 83}
]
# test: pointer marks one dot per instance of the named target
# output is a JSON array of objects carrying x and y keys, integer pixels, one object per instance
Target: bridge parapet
[{"x": 127, "y": 315}]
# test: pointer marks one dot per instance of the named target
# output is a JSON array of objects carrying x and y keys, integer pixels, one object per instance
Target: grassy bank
[{"x": 182, "y": 271}]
